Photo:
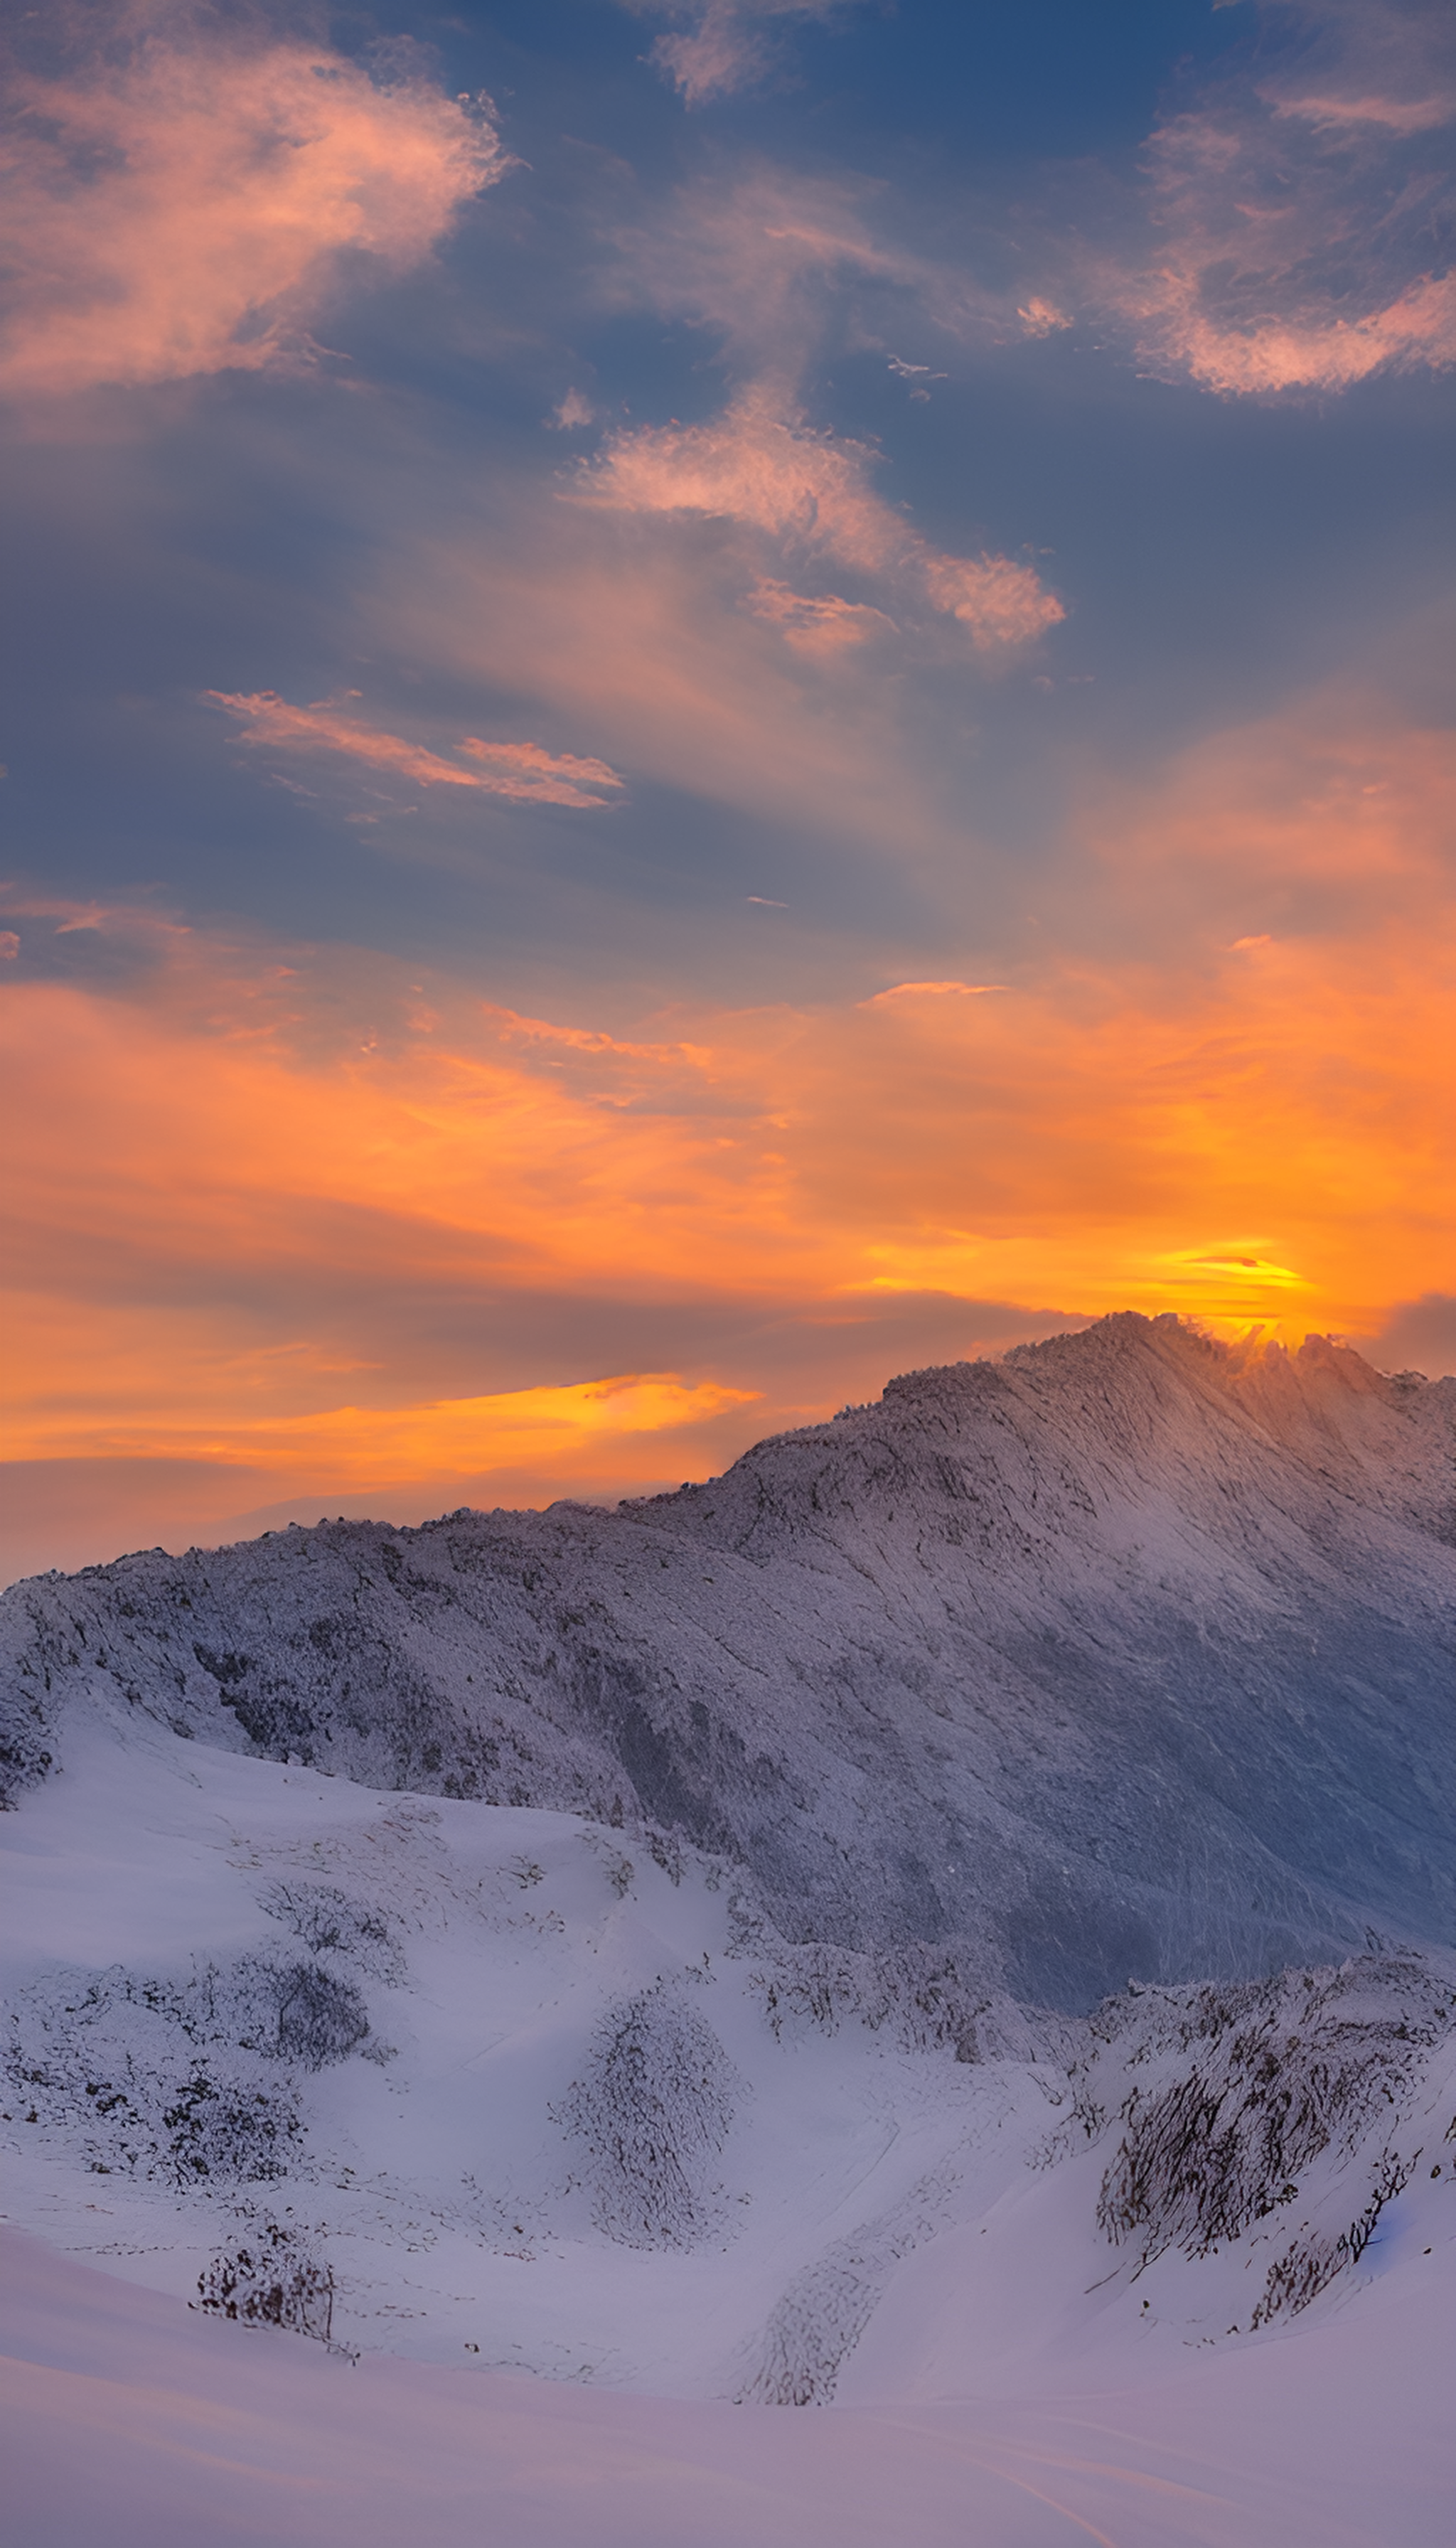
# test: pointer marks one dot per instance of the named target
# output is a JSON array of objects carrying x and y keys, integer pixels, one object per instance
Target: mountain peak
[{"x": 1128, "y": 1652}]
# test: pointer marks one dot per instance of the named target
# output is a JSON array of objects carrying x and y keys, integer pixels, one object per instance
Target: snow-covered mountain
[
  {"x": 684, "y": 1951},
  {"x": 1128, "y": 1654}
]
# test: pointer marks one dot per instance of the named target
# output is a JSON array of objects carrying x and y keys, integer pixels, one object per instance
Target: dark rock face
[{"x": 1128, "y": 1654}]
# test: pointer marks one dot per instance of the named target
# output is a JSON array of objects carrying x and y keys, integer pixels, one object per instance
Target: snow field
[{"x": 852, "y": 2220}]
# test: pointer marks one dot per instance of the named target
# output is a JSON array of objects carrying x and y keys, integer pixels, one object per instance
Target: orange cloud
[
  {"x": 1330, "y": 798},
  {"x": 811, "y": 493},
  {"x": 932, "y": 990},
  {"x": 183, "y": 203},
  {"x": 349, "y": 1447},
  {"x": 521, "y": 771},
  {"x": 241, "y": 1228}
]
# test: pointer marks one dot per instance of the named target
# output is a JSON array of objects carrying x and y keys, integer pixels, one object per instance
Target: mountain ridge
[{"x": 1129, "y": 1653}]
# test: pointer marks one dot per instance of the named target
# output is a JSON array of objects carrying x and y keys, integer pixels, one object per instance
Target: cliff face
[{"x": 1128, "y": 1654}]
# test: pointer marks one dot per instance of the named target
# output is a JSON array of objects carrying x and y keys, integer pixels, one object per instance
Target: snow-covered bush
[
  {"x": 272, "y": 2280},
  {"x": 162, "y": 2079},
  {"x": 930, "y": 1999},
  {"x": 1309, "y": 2263},
  {"x": 328, "y": 1922},
  {"x": 1260, "y": 2096},
  {"x": 1282, "y": 2071},
  {"x": 653, "y": 2110}
]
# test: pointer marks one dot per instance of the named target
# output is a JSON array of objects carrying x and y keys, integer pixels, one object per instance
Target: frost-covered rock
[{"x": 1130, "y": 1653}]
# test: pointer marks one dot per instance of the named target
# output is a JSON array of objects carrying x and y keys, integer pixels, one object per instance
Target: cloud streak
[
  {"x": 352, "y": 1448},
  {"x": 522, "y": 772},
  {"x": 188, "y": 203},
  {"x": 810, "y": 493},
  {"x": 820, "y": 624}
]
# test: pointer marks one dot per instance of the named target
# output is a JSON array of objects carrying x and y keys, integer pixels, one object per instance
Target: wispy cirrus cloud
[
  {"x": 715, "y": 47},
  {"x": 773, "y": 259},
  {"x": 932, "y": 990},
  {"x": 779, "y": 265},
  {"x": 187, "y": 195},
  {"x": 811, "y": 494},
  {"x": 1303, "y": 207},
  {"x": 522, "y": 772}
]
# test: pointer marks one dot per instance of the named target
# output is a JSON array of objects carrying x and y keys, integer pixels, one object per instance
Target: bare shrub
[
  {"x": 1282, "y": 2071},
  {"x": 321, "y": 2019},
  {"x": 272, "y": 2281},
  {"x": 1309, "y": 2267},
  {"x": 824, "y": 2311},
  {"x": 653, "y": 2110},
  {"x": 164, "y": 2079},
  {"x": 328, "y": 1922},
  {"x": 931, "y": 1999}
]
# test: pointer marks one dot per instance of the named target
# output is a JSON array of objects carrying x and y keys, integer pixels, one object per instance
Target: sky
[{"x": 704, "y": 701}]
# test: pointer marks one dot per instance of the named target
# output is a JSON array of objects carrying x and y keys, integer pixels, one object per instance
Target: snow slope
[
  {"x": 1128, "y": 1654},
  {"x": 124, "y": 2419},
  {"x": 711, "y": 2103},
  {"x": 461, "y": 2080}
]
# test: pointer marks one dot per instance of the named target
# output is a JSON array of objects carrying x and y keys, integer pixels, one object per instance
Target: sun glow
[{"x": 294, "y": 1175}]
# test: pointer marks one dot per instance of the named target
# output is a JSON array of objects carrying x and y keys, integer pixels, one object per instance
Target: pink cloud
[
  {"x": 1000, "y": 603},
  {"x": 186, "y": 205},
  {"x": 521, "y": 771},
  {"x": 816, "y": 623},
  {"x": 811, "y": 493},
  {"x": 1296, "y": 212},
  {"x": 645, "y": 639},
  {"x": 1042, "y": 318},
  {"x": 719, "y": 47},
  {"x": 761, "y": 259},
  {"x": 1413, "y": 114}
]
